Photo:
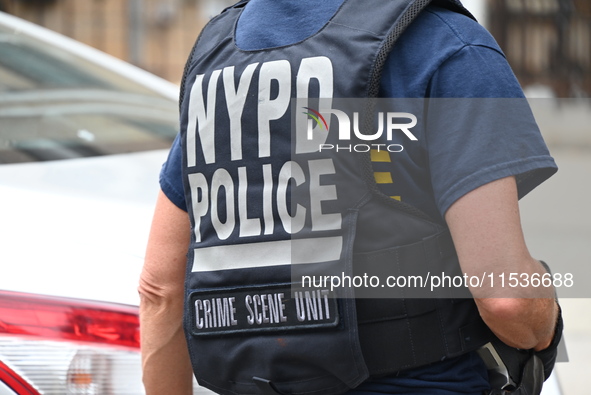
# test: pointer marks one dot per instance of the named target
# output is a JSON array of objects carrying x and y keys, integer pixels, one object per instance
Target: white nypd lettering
[
  {"x": 278, "y": 71},
  {"x": 317, "y": 69},
  {"x": 201, "y": 116},
  {"x": 235, "y": 100},
  {"x": 202, "y": 120},
  {"x": 226, "y": 196}
]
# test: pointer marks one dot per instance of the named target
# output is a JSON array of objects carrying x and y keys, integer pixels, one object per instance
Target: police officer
[{"x": 468, "y": 182}]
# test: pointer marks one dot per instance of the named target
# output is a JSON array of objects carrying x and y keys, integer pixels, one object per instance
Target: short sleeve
[
  {"x": 444, "y": 55},
  {"x": 484, "y": 130},
  {"x": 171, "y": 181}
]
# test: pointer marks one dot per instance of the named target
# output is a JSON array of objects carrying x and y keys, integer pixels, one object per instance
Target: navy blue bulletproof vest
[{"x": 284, "y": 205}]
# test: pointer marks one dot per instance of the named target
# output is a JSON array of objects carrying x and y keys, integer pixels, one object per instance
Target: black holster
[
  {"x": 520, "y": 372},
  {"x": 532, "y": 380}
]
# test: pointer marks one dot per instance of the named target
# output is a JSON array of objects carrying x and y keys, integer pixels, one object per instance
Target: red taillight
[
  {"x": 54, "y": 318},
  {"x": 15, "y": 382}
]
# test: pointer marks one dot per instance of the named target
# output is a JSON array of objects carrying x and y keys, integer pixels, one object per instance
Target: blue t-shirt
[{"x": 441, "y": 55}]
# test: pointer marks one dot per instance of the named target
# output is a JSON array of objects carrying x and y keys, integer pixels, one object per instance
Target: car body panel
[{"x": 78, "y": 228}]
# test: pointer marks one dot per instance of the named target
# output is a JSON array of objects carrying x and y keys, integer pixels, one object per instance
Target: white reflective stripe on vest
[{"x": 272, "y": 253}]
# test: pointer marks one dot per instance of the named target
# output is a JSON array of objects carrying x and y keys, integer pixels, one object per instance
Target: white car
[{"x": 82, "y": 139}]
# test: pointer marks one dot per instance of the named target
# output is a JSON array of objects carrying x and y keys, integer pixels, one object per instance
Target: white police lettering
[
  {"x": 208, "y": 199},
  {"x": 224, "y": 195}
]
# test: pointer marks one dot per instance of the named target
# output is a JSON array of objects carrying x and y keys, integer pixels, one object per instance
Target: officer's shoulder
[{"x": 457, "y": 29}]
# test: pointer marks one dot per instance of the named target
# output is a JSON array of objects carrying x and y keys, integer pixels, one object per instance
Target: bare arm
[
  {"x": 486, "y": 230},
  {"x": 165, "y": 359}
]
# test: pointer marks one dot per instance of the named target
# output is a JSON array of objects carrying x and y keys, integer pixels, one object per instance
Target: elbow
[
  {"x": 155, "y": 294},
  {"x": 517, "y": 309},
  {"x": 503, "y": 309},
  {"x": 522, "y": 323}
]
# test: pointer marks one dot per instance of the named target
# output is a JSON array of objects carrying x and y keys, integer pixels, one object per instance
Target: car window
[
  {"x": 30, "y": 68},
  {"x": 55, "y": 105},
  {"x": 26, "y": 64}
]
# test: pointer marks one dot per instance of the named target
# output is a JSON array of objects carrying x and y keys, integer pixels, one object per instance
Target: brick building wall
[
  {"x": 547, "y": 42},
  {"x": 156, "y": 35}
]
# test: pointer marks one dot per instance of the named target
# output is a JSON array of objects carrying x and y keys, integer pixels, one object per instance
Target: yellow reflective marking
[
  {"x": 379, "y": 156},
  {"x": 383, "y": 177}
]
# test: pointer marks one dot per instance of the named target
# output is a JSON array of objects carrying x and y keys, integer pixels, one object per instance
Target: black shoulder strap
[
  {"x": 239, "y": 4},
  {"x": 410, "y": 14},
  {"x": 399, "y": 27}
]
